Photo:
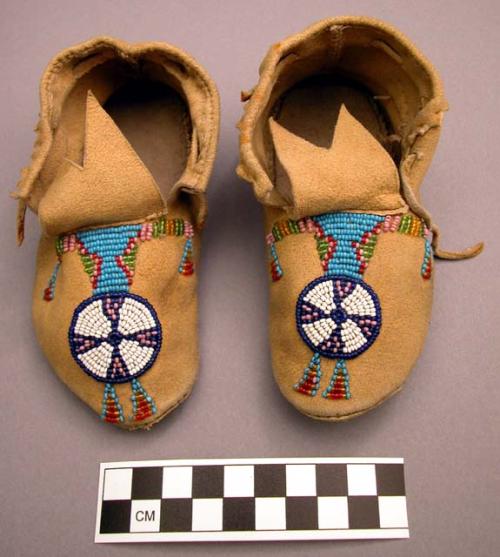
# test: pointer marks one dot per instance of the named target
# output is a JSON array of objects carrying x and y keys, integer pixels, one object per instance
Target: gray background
[{"x": 445, "y": 423}]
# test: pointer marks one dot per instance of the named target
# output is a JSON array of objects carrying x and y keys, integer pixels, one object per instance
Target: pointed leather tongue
[
  {"x": 354, "y": 174},
  {"x": 111, "y": 187}
]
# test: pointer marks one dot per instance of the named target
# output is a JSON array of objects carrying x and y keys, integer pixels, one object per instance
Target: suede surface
[
  {"x": 352, "y": 172},
  {"x": 157, "y": 279},
  {"x": 85, "y": 174},
  {"x": 405, "y": 298},
  {"x": 380, "y": 58},
  {"x": 103, "y": 64},
  {"x": 112, "y": 178}
]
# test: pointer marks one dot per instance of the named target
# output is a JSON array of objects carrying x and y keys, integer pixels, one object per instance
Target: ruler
[{"x": 251, "y": 499}]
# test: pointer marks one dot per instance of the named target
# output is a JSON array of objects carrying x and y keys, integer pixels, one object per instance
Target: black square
[
  {"x": 331, "y": 480},
  {"x": 238, "y": 513},
  {"x": 301, "y": 513},
  {"x": 147, "y": 483},
  {"x": 363, "y": 512},
  {"x": 270, "y": 480},
  {"x": 390, "y": 479},
  {"x": 115, "y": 517},
  {"x": 208, "y": 482},
  {"x": 176, "y": 515}
]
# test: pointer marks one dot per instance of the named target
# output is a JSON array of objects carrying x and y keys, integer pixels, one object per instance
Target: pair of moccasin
[{"x": 336, "y": 138}]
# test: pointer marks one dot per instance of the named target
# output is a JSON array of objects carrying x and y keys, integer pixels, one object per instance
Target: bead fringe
[
  {"x": 143, "y": 405},
  {"x": 186, "y": 266},
  {"x": 309, "y": 382},
  {"x": 339, "y": 383},
  {"x": 48, "y": 293},
  {"x": 111, "y": 408}
]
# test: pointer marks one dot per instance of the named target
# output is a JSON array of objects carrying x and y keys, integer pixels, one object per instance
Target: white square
[
  {"x": 270, "y": 513},
  {"x": 300, "y": 480},
  {"x": 333, "y": 512},
  {"x": 207, "y": 515},
  {"x": 177, "y": 482},
  {"x": 361, "y": 479},
  {"x": 392, "y": 512},
  {"x": 238, "y": 481},
  {"x": 145, "y": 515},
  {"x": 117, "y": 484}
]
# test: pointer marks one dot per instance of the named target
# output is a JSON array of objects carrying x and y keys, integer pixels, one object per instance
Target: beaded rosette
[
  {"x": 116, "y": 336},
  {"x": 338, "y": 315}
]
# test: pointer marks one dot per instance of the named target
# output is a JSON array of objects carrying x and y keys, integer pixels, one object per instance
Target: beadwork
[
  {"x": 48, "y": 293},
  {"x": 426, "y": 269},
  {"x": 354, "y": 236},
  {"x": 112, "y": 411},
  {"x": 109, "y": 254},
  {"x": 327, "y": 244},
  {"x": 115, "y": 336},
  {"x": 338, "y": 315},
  {"x": 338, "y": 388},
  {"x": 186, "y": 266},
  {"x": 308, "y": 384},
  {"x": 143, "y": 405}
]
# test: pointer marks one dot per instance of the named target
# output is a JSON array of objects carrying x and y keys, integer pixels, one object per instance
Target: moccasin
[
  {"x": 125, "y": 146},
  {"x": 336, "y": 138}
]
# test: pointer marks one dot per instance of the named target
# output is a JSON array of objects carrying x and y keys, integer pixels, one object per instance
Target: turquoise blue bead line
[
  {"x": 427, "y": 256},
  {"x": 274, "y": 255},
  {"x": 109, "y": 243},
  {"x": 52, "y": 281},
  {"x": 346, "y": 228},
  {"x": 187, "y": 247}
]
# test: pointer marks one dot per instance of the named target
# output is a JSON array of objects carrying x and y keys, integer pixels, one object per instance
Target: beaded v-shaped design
[
  {"x": 339, "y": 315},
  {"x": 115, "y": 336}
]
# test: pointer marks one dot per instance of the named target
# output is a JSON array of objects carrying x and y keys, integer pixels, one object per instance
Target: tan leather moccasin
[
  {"x": 125, "y": 146},
  {"x": 336, "y": 138}
]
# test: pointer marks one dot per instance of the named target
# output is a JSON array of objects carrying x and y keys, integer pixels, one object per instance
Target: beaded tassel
[
  {"x": 111, "y": 408},
  {"x": 426, "y": 270},
  {"x": 276, "y": 271},
  {"x": 339, "y": 383},
  {"x": 309, "y": 382},
  {"x": 48, "y": 293},
  {"x": 186, "y": 266},
  {"x": 143, "y": 405}
]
